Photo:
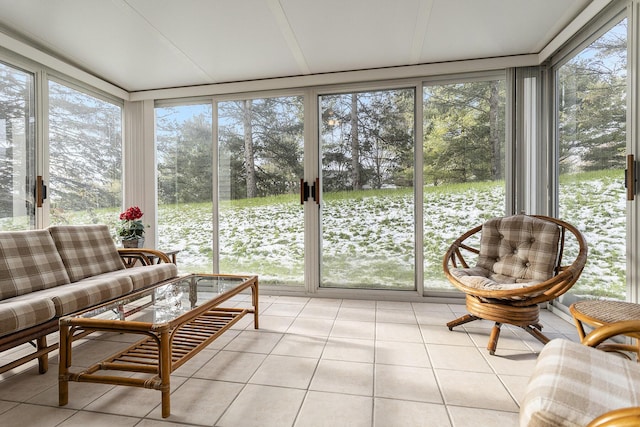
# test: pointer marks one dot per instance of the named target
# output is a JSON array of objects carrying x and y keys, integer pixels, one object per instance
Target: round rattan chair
[{"x": 519, "y": 264}]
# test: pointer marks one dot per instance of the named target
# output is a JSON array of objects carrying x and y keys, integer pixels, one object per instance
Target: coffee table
[{"x": 177, "y": 319}]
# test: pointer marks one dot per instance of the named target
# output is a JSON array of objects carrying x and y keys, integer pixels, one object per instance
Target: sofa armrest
[
  {"x": 625, "y": 417},
  {"x": 603, "y": 333},
  {"x": 146, "y": 256}
]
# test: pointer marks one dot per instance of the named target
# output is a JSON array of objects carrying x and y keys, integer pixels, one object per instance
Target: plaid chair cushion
[
  {"x": 515, "y": 252},
  {"x": 24, "y": 311},
  {"x": 86, "y": 250},
  {"x": 90, "y": 291},
  {"x": 147, "y": 275},
  {"x": 572, "y": 384},
  {"x": 29, "y": 261},
  {"x": 480, "y": 278},
  {"x": 519, "y": 247}
]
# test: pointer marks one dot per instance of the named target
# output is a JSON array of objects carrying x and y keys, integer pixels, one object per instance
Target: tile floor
[{"x": 313, "y": 362}]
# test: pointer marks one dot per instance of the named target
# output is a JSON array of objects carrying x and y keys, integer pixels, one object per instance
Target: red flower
[{"x": 131, "y": 214}]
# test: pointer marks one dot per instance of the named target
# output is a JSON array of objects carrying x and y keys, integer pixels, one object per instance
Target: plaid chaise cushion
[
  {"x": 572, "y": 384},
  {"x": 147, "y": 275},
  {"x": 29, "y": 261},
  {"x": 86, "y": 250},
  {"x": 24, "y": 311},
  {"x": 90, "y": 291}
]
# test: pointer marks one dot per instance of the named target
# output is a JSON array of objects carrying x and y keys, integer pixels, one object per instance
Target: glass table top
[{"x": 167, "y": 302}]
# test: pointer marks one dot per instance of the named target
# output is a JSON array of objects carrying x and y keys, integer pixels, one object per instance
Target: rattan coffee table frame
[{"x": 164, "y": 348}]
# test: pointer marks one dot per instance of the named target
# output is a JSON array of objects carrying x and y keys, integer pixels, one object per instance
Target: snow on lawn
[
  {"x": 602, "y": 220},
  {"x": 370, "y": 240}
]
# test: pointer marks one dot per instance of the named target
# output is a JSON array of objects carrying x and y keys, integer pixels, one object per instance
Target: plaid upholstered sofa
[
  {"x": 45, "y": 274},
  {"x": 575, "y": 384}
]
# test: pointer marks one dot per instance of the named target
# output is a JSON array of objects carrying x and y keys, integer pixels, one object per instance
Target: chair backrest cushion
[
  {"x": 29, "y": 262},
  {"x": 86, "y": 250},
  {"x": 522, "y": 247}
]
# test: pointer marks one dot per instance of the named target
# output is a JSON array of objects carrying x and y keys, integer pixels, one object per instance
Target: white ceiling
[{"x": 153, "y": 44}]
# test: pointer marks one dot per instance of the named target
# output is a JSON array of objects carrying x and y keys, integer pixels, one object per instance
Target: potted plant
[{"x": 131, "y": 229}]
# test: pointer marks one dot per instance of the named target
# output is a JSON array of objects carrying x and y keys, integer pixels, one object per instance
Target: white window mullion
[
  {"x": 42, "y": 142},
  {"x": 633, "y": 146},
  {"x": 311, "y": 209},
  {"x": 418, "y": 187}
]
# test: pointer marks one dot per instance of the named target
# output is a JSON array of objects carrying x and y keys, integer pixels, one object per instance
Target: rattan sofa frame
[{"x": 37, "y": 335}]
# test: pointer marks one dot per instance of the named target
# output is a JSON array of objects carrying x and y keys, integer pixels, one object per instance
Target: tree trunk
[
  {"x": 355, "y": 145},
  {"x": 248, "y": 151},
  {"x": 494, "y": 134}
]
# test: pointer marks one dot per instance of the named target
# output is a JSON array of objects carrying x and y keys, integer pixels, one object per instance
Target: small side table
[
  {"x": 171, "y": 254},
  {"x": 597, "y": 313}
]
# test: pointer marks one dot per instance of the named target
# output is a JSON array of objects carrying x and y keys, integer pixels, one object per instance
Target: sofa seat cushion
[
  {"x": 25, "y": 311},
  {"x": 86, "y": 250},
  {"x": 572, "y": 384},
  {"x": 88, "y": 292},
  {"x": 147, "y": 275},
  {"x": 29, "y": 261}
]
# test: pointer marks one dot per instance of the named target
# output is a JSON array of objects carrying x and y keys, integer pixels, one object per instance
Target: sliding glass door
[
  {"x": 260, "y": 162},
  {"x": 463, "y": 164},
  {"x": 367, "y": 146}
]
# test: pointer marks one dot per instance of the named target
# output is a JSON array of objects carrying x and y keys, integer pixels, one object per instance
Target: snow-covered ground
[{"x": 369, "y": 241}]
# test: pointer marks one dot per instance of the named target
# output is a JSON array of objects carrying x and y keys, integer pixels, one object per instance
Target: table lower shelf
[
  {"x": 145, "y": 355},
  {"x": 186, "y": 341}
]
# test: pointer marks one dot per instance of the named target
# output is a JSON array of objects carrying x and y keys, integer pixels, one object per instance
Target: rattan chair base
[{"x": 526, "y": 317}]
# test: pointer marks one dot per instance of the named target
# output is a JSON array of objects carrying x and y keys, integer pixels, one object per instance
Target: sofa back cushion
[
  {"x": 29, "y": 261},
  {"x": 86, "y": 250}
]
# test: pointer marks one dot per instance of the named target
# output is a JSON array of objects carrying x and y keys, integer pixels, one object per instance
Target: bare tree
[
  {"x": 494, "y": 130},
  {"x": 249, "y": 161},
  {"x": 355, "y": 145}
]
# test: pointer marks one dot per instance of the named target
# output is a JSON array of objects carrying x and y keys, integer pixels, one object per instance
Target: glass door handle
[
  {"x": 41, "y": 191},
  {"x": 630, "y": 177},
  {"x": 316, "y": 191},
  {"x": 306, "y": 191}
]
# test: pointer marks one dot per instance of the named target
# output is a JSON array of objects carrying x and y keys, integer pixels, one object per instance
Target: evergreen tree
[
  {"x": 17, "y": 141},
  {"x": 367, "y": 140},
  {"x": 271, "y": 131},
  {"x": 185, "y": 157},
  {"x": 592, "y": 106},
  {"x": 464, "y": 132},
  {"x": 85, "y": 151}
]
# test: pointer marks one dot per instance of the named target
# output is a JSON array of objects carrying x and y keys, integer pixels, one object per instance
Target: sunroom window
[
  {"x": 85, "y": 157},
  {"x": 591, "y": 132},
  {"x": 17, "y": 149}
]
